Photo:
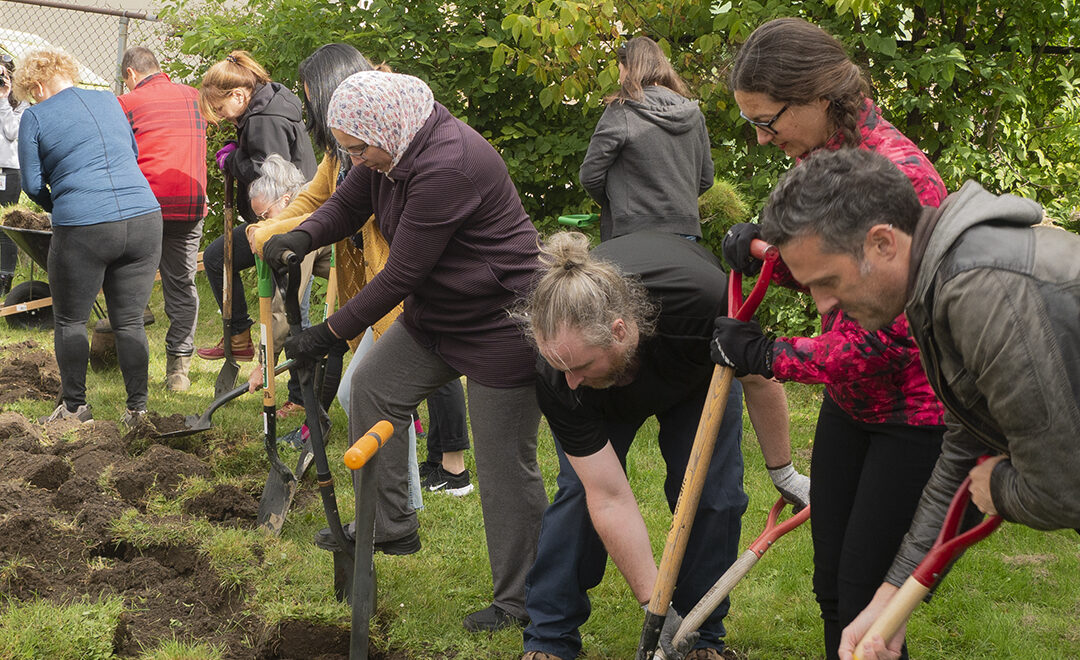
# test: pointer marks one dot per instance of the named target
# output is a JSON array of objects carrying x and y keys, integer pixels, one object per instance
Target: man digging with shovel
[{"x": 624, "y": 335}]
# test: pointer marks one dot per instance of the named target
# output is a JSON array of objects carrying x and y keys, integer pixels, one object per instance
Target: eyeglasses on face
[
  {"x": 269, "y": 207},
  {"x": 355, "y": 151},
  {"x": 766, "y": 126}
]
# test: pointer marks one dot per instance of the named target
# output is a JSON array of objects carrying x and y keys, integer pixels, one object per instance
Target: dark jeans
[
  {"x": 867, "y": 480},
  {"x": 570, "y": 557},
  {"x": 214, "y": 262},
  {"x": 121, "y": 258},
  {"x": 447, "y": 426},
  {"x": 9, "y": 252}
]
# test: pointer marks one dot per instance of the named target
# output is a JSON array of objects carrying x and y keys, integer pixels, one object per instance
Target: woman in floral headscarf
[{"x": 462, "y": 250}]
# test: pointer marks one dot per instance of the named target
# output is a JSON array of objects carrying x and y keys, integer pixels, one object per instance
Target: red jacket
[{"x": 171, "y": 135}]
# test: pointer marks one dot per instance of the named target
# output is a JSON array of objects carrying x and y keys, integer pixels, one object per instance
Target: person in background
[
  {"x": 79, "y": 162},
  {"x": 268, "y": 120},
  {"x": 649, "y": 158},
  {"x": 11, "y": 110},
  {"x": 880, "y": 427},
  {"x": 623, "y": 333},
  {"x": 171, "y": 134},
  {"x": 462, "y": 249}
]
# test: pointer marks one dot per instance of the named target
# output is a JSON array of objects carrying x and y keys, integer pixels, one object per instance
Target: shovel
[
  {"x": 199, "y": 424},
  {"x": 697, "y": 466},
  {"x": 226, "y": 378}
]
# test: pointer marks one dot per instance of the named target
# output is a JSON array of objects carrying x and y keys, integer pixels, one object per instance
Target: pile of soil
[
  {"x": 27, "y": 372},
  {"x": 64, "y": 484},
  {"x": 22, "y": 218}
]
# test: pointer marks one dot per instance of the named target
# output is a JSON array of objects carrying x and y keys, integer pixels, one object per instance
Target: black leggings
[
  {"x": 121, "y": 258},
  {"x": 866, "y": 480}
]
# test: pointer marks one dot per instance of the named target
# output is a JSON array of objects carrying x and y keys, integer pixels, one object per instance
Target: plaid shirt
[
  {"x": 875, "y": 377},
  {"x": 171, "y": 134}
]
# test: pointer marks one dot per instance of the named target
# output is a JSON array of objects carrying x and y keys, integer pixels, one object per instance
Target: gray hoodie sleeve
[
  {"x": 708, "y": 174},
  {"x": 604, "y": 147}
]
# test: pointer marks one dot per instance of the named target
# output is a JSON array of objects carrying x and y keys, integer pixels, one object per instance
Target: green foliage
[{"x": 82, "y": 630}]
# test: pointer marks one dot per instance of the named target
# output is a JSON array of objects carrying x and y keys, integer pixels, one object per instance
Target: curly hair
[
  {"x": 579, "y": 291},
  {"x": 796, "y": 62},
  {"x": 237, "y": 71},
  {"x": 40, "y": 67}
]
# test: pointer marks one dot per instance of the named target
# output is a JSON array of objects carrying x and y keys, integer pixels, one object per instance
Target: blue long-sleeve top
[{"x": 78, "y": 159}]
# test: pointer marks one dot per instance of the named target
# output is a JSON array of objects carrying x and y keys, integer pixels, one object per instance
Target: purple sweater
[{"x": 462, "y": 250}]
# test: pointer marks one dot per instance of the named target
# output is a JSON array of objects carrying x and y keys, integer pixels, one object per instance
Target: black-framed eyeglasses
[
  {"x": 356, "y": 151},
  {"x": 766, "y": 126}
]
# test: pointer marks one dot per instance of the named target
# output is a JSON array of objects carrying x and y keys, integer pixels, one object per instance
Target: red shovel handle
[
  {"x": 737, "y": 309},
  {"x": 774, "y": 531}
]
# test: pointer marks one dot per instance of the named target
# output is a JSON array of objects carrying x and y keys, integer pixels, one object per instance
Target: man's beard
[{"x": 623, "y": 369}]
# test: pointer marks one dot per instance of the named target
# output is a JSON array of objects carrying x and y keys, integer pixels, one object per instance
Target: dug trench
[{"x": 63, "y": 488}]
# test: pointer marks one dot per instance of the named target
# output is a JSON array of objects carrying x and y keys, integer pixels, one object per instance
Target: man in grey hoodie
[{"x": 994, "y": 305}]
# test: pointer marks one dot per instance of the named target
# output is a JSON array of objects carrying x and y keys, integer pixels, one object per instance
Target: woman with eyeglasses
[
  {"x": 11, "y": 111},
  {"x": 269, "y": 120},
  {"x": 880, "y": 427},
  {"x": 649, "y": 158},
  {"x": 462, "y": 251}
]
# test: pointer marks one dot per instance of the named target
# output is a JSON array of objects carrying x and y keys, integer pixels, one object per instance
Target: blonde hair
[
  {"x": 237, "y": 71},
  {"x": 39, "y": 67},
  {"x": 579, "y": 291}
]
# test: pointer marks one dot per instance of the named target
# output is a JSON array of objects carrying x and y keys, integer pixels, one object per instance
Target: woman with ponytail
[
  {"x": 269, "y": 120},
  {"x": 880, "y": 427}
]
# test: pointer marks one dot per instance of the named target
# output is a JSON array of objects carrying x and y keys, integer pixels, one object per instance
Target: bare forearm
[
  {"x": 622, "y": 529},
  {"x": 766, "y": 404}
]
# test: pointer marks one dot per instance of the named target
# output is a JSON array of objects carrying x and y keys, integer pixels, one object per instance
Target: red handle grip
[{"x": 738, "y": 309}]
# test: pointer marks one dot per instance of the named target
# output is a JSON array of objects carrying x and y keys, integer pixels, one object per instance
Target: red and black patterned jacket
[
  {"x": 171, "y": 134},
  {"x": 875, "y": 377}
]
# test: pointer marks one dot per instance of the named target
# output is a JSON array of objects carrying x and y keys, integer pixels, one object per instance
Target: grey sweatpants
[
  {"x": 392, "y": 379},
  {"x": 121, "y": 259},
  {"x": 179, "y": 259}
]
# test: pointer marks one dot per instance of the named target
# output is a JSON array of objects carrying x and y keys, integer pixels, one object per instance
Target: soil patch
[
  {"x": 23, "y": 218},
  {"x": 224, "y": 503},
  {"x": 28, "y": 373}
]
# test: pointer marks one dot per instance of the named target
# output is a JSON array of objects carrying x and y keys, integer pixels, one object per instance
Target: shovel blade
[
  {"x": 226, "y": 378},
  {"x": 277, "y": 497},
  {"x": 193, "y": 425}
]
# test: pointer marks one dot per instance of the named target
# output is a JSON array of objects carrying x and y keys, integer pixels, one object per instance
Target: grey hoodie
[
  {"x": 994, "y": 305},
  {"x": 647, "y": 164}
]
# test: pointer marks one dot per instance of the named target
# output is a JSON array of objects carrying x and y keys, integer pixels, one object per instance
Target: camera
[{"x": 5, "y": 77}]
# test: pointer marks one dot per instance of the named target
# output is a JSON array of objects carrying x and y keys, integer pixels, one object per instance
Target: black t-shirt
[{"x": 688, "y": 284}]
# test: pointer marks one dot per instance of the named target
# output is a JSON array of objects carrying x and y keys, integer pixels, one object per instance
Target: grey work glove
[
  {"x": 793, "y": 487},
  {"x": 667, "y": 636}
]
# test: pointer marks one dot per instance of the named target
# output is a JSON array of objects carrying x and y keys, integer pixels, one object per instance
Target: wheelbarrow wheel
[{"x": 31, "y": 319}]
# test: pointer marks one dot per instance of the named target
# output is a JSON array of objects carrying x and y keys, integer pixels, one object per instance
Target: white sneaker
[{"x": 82, "y": 413}]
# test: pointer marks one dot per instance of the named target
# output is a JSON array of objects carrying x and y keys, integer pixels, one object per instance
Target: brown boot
[
  {"x": 176, "y": 373},
  {"x": 242, "y": 349}
]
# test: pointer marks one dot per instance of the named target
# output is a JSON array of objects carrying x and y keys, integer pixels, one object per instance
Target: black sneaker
[
  {"x": 442, "y": 481},
  {"x": 406, "y": 545},
  {"x": 492, "y": 618},
  {"x": 426, "y": 468}
]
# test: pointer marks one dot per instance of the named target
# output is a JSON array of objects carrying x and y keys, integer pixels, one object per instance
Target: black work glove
[
  {"x": 736, "y": 248},
  {"x": 311, "y": 344},
  {"x": 667, "y": 634},
  {"x": 743, "y": 346},
  {"x": 296, "y": 241}
]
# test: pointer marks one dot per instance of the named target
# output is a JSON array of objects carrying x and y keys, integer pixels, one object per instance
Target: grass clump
[{"x": 82, "y": 630}]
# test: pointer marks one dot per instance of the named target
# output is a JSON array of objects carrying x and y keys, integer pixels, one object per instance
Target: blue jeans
[{"x": 570, "y": 558}]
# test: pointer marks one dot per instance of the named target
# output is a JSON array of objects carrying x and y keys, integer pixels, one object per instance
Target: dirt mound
[
  {"x": 23, "y": 218},
  {"x": 224, "y": 503},
  {"x": 16, "y": 433},
  {"x": 160, "y": 467},
  {"x": 28, "y": 374}
]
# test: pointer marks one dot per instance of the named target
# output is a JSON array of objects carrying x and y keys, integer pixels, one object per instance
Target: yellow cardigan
[{"x": 354, "y": 268}]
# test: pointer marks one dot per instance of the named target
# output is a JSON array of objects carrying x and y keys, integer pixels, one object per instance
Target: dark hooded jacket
[
  {"x": 273, "y": 123},
  {"x": 994, "y": 305},
  {"x": 647, "y": 164}
]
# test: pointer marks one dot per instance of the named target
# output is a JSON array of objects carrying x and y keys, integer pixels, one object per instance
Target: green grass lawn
[{"x": 1015, "y": 595}]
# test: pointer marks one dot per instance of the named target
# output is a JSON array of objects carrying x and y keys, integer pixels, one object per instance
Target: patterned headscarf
[{"x": 385, "y": 110}]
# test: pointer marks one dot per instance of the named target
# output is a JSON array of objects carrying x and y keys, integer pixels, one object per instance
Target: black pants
[
  {"x": 866, "y": 480},
  {"x": 120, "y": 258},
  {"x": 9, "y": 252},
  {"x": 447, "y": 427}
]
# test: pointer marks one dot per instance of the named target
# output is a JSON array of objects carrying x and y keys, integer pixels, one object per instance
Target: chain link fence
[{"x": 96, "y": 36}]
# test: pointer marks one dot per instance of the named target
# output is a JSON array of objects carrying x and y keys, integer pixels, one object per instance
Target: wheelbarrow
[{"x": 28, "y": 305}]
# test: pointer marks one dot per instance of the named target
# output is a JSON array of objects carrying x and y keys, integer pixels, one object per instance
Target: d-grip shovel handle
[
  {"x": 363, "y": 449},
  {"x": 945, "y": 549},
  {"x": 697, "y": 465}
]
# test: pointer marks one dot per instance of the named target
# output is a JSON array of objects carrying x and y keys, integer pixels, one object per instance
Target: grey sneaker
[
  {"x": 131, "y": 418},
  {"x": 82, "y": 414}
]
